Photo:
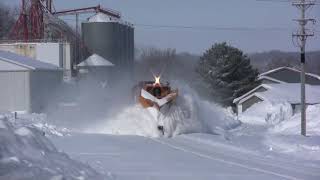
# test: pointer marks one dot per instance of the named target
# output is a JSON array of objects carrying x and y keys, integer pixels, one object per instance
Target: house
[
  {"x": 281, "y": 85},
  {"x": 26, "y": 84},
  {"x": 278, "y": 93},
  {"x": 287, "y": 75}
]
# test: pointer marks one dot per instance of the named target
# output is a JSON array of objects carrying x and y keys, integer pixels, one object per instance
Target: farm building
[
  {"x": 287, "y": 75},
  {"x": 56, "y": 53},
  {"x": 281, "y": 85},
  {"x": 278, "y": 93},
  {"x": 26, "y": 84}
]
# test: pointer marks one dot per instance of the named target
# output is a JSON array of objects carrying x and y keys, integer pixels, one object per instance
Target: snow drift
[
  {"x": 26, "y": 153},
  {"x": 280, "y": 118},
  {"x": 266, "y": 113},
  {"x": 292, "y": 125},
  {"x": 189, "y": 114}
]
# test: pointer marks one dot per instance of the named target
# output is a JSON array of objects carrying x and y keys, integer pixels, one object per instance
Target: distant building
[
  {"x": 281, "y": 85},
  {"x": 26, "y": 84},
  {"x": 287, "y": 75},
  {"x": 56, "y": 53}
]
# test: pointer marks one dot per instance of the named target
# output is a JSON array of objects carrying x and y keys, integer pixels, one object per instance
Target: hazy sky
[{"x": 206, "y": 17}]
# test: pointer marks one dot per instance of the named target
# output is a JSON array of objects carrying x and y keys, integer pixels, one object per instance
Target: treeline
[{"x": 273, "y": 59}]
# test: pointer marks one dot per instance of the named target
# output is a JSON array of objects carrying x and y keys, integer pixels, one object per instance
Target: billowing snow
[
  {"x": 2, "y": 125},
  {"x": 12, "y": 159},
  {"x": 189, "y": 114}
]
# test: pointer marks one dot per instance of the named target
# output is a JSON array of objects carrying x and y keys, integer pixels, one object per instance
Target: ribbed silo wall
[{"x": 112, "y": 40}]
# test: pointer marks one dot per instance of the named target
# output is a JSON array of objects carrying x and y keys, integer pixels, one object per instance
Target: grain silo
[{"x": 111, "y": 39}]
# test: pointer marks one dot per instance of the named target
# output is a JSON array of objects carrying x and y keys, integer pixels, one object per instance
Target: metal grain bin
[{"x": 111, "y": 39}]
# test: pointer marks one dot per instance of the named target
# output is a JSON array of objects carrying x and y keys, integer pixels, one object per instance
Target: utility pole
[{"x": 302, "y": 35}]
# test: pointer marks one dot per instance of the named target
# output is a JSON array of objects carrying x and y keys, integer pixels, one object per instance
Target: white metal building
[
  {"x": 26, "y": 84},
  {"x": 56, "y": 53}
]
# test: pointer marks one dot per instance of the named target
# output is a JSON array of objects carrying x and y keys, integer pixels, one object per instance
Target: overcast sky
[{"x": 206, "y": 17}]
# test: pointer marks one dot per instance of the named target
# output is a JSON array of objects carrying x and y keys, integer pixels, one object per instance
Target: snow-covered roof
[
  {"x": 250, "y": 92},
  {"x": 286, "y": 92},
  {"x": 26, "y": 62},
  {"x": 287, "y": 68},
  {"x": 95, "y": 61},
  {"x": 270, "y": 79},
  {"x": 100, "y": 17}
]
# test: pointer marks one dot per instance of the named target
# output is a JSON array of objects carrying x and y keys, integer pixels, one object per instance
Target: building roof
[
  {"x": 270, "y": 79},
  {"x": 287, "y": 68},
  {"x": 250, "y": 92},
  {"x": 284, "y": 92},
  {"x": 100, "y": 17},
  {"x": 103, "y": 18},
  {"x": 26, "y": 62},
  {"x": 95, "y": 61}
]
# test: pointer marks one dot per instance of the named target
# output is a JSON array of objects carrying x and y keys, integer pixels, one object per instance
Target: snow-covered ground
[
  {"x": 193, "y": 156},
  {"x": 123, "y": 142},
  {"x": 26, "y": 153},
  {"x": 207, "y": 142}
]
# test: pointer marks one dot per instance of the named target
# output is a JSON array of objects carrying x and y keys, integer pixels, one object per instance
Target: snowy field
[
  {"x": 121, "y": 142},
  {"x": 194, "y": 156}
]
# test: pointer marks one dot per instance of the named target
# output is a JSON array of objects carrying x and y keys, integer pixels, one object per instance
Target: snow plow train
[{"x": 156, "y": 95}]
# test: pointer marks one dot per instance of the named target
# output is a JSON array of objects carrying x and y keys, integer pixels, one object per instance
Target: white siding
[
  {"x": 49, "y": 53},
  {"x": 58, "y": 54},
  {"x": 14, "y": 94}
]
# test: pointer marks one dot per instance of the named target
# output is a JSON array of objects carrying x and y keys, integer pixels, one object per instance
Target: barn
[{"x": 26, "y": 84}]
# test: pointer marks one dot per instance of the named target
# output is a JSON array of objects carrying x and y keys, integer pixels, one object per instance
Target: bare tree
[{"x": 7, "y": 19}]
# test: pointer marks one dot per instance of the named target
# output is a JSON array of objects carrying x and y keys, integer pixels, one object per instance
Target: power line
[
  {"x": 216, "y": 28},
  {"x": 206, "y": 28},
  {"x": 213, "y": 28},
  {"x": 317, "y": 2}
]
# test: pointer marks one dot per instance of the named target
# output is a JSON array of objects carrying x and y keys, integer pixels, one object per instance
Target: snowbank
[
  {"x": 189, "y": 114},
  {"x": 281, "y": 119},
  {"x": 291, "y": 126},
  {"x": 281, "y": 132},
  {"x": 25, "y": 153},
  {"x": 266, "y": 113},
  {"x": 38, "y": 121}
]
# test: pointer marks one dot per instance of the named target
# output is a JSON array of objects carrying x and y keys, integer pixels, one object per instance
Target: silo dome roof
[{"x": 100, "y": 17}]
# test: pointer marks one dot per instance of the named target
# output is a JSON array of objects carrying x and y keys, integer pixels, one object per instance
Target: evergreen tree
[{"x": 227, "y": 72}]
